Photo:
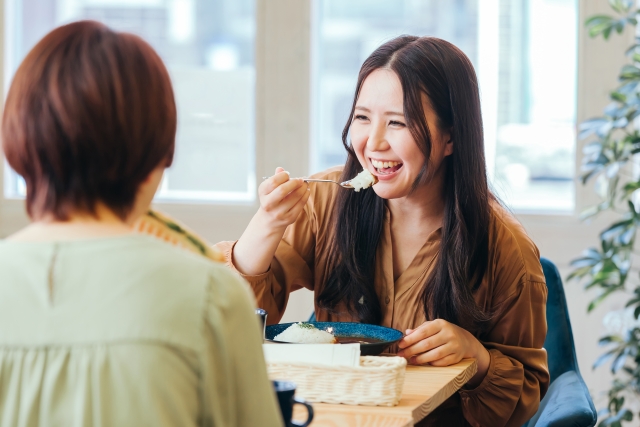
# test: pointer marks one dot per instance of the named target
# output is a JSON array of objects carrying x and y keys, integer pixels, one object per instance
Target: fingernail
[{"x": 287, "y": 172}]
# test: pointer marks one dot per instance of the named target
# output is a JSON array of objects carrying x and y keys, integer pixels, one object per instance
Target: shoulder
[
  {"x": 333, "y": 173},
  {"x": 161, "y": 255},
  {"x": 214, "y": 277},
  {"x": 226, "y": 288},
  {"x": 137, "y": 287},
  {"x": 191, "y": 287},
  {"x": 323, "y": 191},
  {"x": 323, "y": 196},
  {"x": 512, "y": 252},
  {"x": 168, "y": 272}
]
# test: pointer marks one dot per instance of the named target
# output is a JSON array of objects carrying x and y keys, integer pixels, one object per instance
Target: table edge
[{"x": 420, "y": 412}]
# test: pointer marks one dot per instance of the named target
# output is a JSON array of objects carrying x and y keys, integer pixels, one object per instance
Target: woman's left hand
[{"x": 440, "y": 343}]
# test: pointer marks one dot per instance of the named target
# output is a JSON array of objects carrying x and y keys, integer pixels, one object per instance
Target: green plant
[{"x": 611, "y": 161}]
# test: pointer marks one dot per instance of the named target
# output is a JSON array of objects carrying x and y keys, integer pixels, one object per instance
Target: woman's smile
[{"x": 385, "y": 169}]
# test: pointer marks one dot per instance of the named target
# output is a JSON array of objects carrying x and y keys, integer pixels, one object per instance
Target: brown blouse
[{"x": 513, "y": 287}]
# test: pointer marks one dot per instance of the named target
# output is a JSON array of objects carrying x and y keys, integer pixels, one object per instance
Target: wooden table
[{"x": 425, "y": 388}]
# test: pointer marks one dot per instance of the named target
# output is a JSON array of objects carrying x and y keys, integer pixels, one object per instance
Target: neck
[
  {"x": 424, "y": 205},
  {"x": 80, "y": 225}
]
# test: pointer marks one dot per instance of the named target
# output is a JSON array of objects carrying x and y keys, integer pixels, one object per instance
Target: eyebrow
[{"x": 388, "y": 113}]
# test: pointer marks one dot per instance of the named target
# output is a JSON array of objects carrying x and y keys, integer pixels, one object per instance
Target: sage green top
[{"x": 127, "y": 331}]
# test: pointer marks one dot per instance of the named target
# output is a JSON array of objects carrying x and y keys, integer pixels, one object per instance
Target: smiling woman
[
  {"x": 394, "y": 121},
  {"x": 429, "y": 251},
  {"x": 382, "y": 140}
]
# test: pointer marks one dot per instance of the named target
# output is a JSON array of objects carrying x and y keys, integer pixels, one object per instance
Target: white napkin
[{"x": 317, "y": 354}]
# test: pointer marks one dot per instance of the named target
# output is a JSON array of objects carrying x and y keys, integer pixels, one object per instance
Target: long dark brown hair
[{"x": 435, "y": 68}]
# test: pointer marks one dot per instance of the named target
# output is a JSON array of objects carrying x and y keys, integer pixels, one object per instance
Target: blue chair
[{"x": 567, "y": 402}]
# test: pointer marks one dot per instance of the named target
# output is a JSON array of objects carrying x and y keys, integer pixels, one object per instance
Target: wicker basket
[{"x": 377, "y": 381}]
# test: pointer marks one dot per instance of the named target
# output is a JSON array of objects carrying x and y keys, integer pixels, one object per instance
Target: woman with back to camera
[
  {"x": 428, "y": 251},
  {"x": 102, "y": 326}
]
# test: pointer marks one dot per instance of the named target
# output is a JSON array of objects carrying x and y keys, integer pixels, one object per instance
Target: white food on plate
[
  {"x": 305, "y": 333},
  {"x": 364, "y": 179}
]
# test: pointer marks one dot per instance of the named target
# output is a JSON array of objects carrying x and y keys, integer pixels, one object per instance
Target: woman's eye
[
  {"x": 396, "y": 123},
  {"x": 360, "y": 117}
]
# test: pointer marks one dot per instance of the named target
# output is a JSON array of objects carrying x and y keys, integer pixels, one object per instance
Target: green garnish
[{"x": 306, "y": 325}]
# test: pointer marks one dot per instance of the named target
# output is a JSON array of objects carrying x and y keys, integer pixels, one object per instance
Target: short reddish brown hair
[{"x": 90, "y": 113}]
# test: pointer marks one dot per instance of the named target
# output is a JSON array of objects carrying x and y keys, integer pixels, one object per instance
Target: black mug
[{"x": 285, "y": 390}]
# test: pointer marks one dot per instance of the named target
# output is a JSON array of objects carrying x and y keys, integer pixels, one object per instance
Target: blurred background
[
  {"x": 267, "y": 83},
  {"x": 527, "y": 75}
]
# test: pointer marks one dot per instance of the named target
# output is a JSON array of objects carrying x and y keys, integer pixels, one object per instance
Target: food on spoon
[
  {"x": 305, "y": 333},
  {"x": 364, "y": 179}
]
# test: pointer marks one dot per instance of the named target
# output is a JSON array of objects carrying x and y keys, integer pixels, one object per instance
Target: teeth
[{"x": 383, "y": 165}]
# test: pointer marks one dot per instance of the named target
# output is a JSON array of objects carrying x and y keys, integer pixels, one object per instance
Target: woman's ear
[{"x": 448, "y": 148}]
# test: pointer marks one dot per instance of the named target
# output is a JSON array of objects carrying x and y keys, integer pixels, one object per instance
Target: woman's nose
[{"x": 377, "y": 139}]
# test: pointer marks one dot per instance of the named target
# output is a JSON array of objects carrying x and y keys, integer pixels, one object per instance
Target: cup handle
[{"x": 309, "y": 412}]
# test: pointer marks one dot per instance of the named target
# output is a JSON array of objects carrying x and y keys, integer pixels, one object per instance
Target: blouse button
[{"x": 387, "y": 300}]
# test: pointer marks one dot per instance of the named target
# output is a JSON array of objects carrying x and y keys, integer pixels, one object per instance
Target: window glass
[
  {"x": 535, "y": 138},
  {"x": 208, "y": 47},
  {"x": 527, "y": 77},
  {"x": 346, "y": 32}
]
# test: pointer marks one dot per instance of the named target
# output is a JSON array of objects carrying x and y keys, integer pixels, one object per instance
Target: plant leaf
[
  {"x": 601, "y": 360},
  {"x": 621, "y": 6}
]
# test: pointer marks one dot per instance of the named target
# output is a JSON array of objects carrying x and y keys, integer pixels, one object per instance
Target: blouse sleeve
[
  {"x": 236, "y": 388},
  {"x": 517, "y": 377},
  {"x": 291, "y": 268}
]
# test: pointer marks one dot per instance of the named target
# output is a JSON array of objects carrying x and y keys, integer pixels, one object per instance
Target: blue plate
[{"x": 346, "y": 331}]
